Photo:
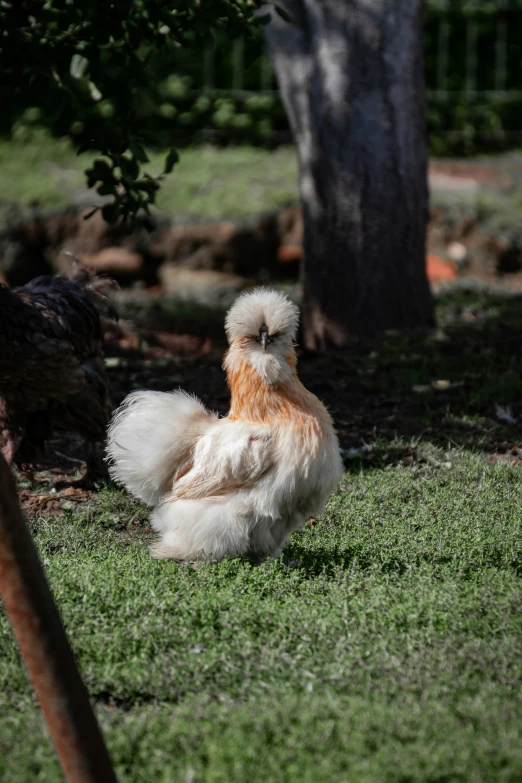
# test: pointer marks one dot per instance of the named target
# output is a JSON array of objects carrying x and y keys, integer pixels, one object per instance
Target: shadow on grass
[
  {"x": 330, "y": 559},
  {"x": 393, "y": 398},
  {"x": 327, "y": 560},
  {"x": 406, "y": 393}
]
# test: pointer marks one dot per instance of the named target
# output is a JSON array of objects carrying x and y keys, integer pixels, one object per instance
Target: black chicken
[{"x": 52, "y": 371}]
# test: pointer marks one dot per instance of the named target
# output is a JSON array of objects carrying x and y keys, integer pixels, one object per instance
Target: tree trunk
[{"x": 351, "y": 78}]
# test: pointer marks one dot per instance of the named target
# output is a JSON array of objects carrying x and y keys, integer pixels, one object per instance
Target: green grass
[
  {"x": 44, "y": 171},
  {"x": 207, "y": 183},
  {"x": 384, "y": 647},
  {"x": 390, "y": 651}
]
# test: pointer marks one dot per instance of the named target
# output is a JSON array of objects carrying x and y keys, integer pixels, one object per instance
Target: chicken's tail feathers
[{"x": 151, "y": 438}]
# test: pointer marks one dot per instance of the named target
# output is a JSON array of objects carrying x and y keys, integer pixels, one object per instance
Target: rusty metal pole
[{"x": 45, "y": 648}]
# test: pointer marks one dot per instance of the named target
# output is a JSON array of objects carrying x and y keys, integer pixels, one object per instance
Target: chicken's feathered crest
[{"x": 263, "y": 306}]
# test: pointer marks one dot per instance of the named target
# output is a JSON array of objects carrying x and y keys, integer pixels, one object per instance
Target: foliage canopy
[{"x": 85, "y": 54}]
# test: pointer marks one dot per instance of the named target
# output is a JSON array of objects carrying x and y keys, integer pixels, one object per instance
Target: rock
[
  {"x": 175, "y": 243},
  {"x": 287, "y": 254},
  {"x": 457, "y": 252},
  {"x": 60, "y": 228},
  {"x": 253, "y": 250},
  {"x": 290, "y": 226},
  {"x": 120, "y": 334},
  {"x": 212, "y": 257},
  {"x": 85, "y": 237},
  {"x": 116, "y": 262},
  {"x": 207, "y": 287}
]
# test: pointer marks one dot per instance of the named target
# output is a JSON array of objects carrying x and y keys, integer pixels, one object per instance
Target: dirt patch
[
  {"x": 498, "y": 173},
  {"x": 173, "y": 256},
  {"x": 212, "y": 263},
  {"x": 36, "y": 503}
]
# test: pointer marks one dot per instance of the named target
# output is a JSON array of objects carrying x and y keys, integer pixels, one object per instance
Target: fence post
[
  {"x": 238, "y": 55},
  {"x": 442, "y": 50},
  {"x": 208, "y": 66},
  {"x": 501, "y": 50},
  {"x": 471, "y": 51},
  {"x": 267, "y": 72}
]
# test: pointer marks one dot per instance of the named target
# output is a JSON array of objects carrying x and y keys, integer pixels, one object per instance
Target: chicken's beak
[{"x": 264, "y": 339}]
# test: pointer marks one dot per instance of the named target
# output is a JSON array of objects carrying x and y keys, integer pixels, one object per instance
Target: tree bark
[{"x": 351, "y": 78}]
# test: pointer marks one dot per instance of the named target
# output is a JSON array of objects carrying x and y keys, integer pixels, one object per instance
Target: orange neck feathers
[{"x": 255, "y": 401}]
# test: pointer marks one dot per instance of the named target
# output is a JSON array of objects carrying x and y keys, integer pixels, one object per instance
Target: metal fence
[
  {"x": 472, "y": 56},
  {"x": 487, "y": 29},
  {"x": 488, "y": 66}
]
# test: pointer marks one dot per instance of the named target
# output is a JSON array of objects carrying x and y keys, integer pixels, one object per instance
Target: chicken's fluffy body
[
  {"x": 52, "y": 370},
  {"x": 240, "y": 484}
]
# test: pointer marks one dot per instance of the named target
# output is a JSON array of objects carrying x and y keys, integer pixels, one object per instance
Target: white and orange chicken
[{"x": 240, "y": 484}]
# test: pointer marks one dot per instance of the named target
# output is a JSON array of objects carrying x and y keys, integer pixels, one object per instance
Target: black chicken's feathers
[{"x": 51, "y": 359}]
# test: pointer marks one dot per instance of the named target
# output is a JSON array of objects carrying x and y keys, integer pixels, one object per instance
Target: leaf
[
  {"x": 86, "y": 145},
  {"x": 444, "y": 385},
  {"x": 78, "y": 66},
  {"x": 105, "y": 189},
  {"x": 112, "y": 361},
  {"x": 139, "y": 153},
  {"x": 94, "y": 91},
  {"x": 171, "y": 160},
  {"x": 100, "y": 170},
  {"x": 129, "y": 168},
  {"x": 149, "y": 224},
  {"x": 147, "y": 185},
  {"x": 283, "y": 14},
  {"x": 111, "y": 212},
  {"x": 441, "y": 385}
]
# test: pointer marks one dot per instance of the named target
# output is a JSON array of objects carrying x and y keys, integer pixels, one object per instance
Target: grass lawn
[
  {"x": 206, "y": 183},
  {"x": 386, "y": 644},
  {"x": 230, "y": 183}
]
